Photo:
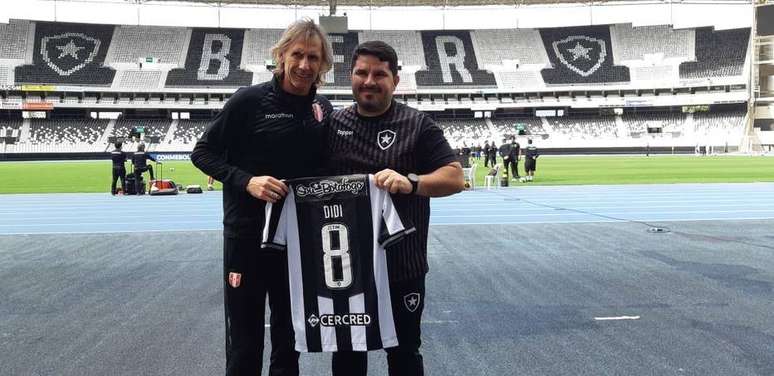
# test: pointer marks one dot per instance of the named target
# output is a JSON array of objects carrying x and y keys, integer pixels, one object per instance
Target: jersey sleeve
[
  {"x": 274, "y": 228},
  {"x": 393, "y": 227},
  {"x": 433, "y": 150}
]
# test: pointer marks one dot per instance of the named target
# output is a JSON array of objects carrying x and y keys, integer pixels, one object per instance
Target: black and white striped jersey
[{"x": 335, "y": 229}]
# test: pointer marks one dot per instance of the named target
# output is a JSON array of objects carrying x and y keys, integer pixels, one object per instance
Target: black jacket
[
  {"x": 262, "y": 130},
  {"x": 119, "y": 158},
  {"x": 510, "y": 150},
  {"x": 140, "y": 158}
]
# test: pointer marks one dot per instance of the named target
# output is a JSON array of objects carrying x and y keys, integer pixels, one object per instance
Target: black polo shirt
[{"x": 402, "y": 139}]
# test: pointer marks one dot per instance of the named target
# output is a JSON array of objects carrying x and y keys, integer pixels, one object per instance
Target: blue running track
[{"x": 102, "y": 213}]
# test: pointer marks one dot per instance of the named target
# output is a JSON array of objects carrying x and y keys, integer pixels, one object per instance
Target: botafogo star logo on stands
[
  {"x": 583, "y": 55},
  {"x": 68, "y": 53}
]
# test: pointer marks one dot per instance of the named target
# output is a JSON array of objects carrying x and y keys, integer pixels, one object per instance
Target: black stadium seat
[
  {"x": 581, "y": 55},
  {"x": 718, "y": 54},
  {"x": 213, "y": 59},
  {"x": 342, "y": 45},
  {"x": 451, "y": 61},
  {"x": 68, "y": 53}
]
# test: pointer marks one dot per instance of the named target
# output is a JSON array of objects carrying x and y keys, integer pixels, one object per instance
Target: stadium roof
[{"x": 392, "y": 3}]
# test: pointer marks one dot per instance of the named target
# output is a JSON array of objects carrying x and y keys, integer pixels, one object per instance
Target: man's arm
[
  {"x": 210, "y": 152},
  {"x": 444, "y": 181},
  {"x": 209, "y": 155}
]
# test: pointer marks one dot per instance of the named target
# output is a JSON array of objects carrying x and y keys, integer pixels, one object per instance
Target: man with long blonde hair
[{"x": 240, "y": 148}]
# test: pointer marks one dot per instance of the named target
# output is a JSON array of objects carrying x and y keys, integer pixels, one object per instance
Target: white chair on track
[{"x": 491, "y": 179}]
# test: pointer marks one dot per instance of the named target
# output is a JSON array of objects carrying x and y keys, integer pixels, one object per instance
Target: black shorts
[{"x": 530, "y": 164}]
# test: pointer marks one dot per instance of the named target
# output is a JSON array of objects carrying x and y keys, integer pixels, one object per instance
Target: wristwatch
[{"x": 414, "y": 179}]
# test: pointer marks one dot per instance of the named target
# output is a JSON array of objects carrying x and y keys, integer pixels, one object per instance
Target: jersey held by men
[{"x": 335, "y": 230}]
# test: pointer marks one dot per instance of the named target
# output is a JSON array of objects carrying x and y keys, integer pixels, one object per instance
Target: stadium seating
[
  {"x": 476, "y": 70},
  {"x": 407, "y": 83},
  {"x": 520, "y": 80},
  {"x": 634, "y": 43},
  {"x": 507, "y": 126},
  {"x": 508, "y": 59},
  {"x": 260, "y": 76},
  {"x": 153, "y": 127},
  {"x": 133, "y": 43},
  {"x": 138, "y": 79},
  {"x": 584, "y": 127},
  {"x": 581, "y": 55},
  {"x": 342, "y": 45},
  {"x": 407, "y": 44},
  {"x": 63, "y": 135},
  {"x": 10, "y": 128},
  {"x": 451, "y": 62},
  {"x": 6, "y": 75},
  {"x": 13, "y": 40},
  {"x": 654, "y": 73},
  {"x": 718, "y": 54},
  {"x": 718, "y": 125},
  {"x": 639, "y": 123},
  {"x": 494, "y": 47},
  {"x": 214, "y": 58},
  {"x": 469, "y": 132},
  {"x": 187, "y": 132},
  {"x": 68, "y": 53},
  {"x": 257, "y": 47},
  {"x": 257, "y": 50}
]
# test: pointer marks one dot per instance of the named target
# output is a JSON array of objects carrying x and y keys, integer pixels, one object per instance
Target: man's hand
[
  {"x": 267, "y": 188},
  {"x": 392, "y": 181}
]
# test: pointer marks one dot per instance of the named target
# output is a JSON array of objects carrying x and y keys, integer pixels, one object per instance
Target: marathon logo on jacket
[
  {"x": 326, "y": 187},
  {"x": 279, "y": 116}
]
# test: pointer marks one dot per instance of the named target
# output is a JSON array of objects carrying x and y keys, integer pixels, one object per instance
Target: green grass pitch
[
  {"x": 568, "y": 170},
  {"x": 94, "y": 176}
]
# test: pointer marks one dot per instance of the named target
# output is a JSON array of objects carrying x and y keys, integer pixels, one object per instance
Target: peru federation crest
[
  {"x": 385, "y": 139},
  {"x": 581, "y": 54},
  {"x": 68, "y": 53}
]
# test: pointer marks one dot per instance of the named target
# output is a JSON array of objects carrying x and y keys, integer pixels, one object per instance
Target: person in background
[
  {"x": 140, "y": 163},
  {"x": 530, "y": 160},
  {"x": 492, "y": 153},
  {"x": 513, "y": 158},
  {"x": 485, "y": 151},
  {"x": 118, "y": 158}
]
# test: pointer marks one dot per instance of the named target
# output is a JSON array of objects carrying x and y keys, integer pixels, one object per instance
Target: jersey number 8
[{"x": 335, "y": 244}]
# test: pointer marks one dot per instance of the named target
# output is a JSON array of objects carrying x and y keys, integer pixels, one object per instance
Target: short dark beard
[{"x": 374, "y": 107}]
